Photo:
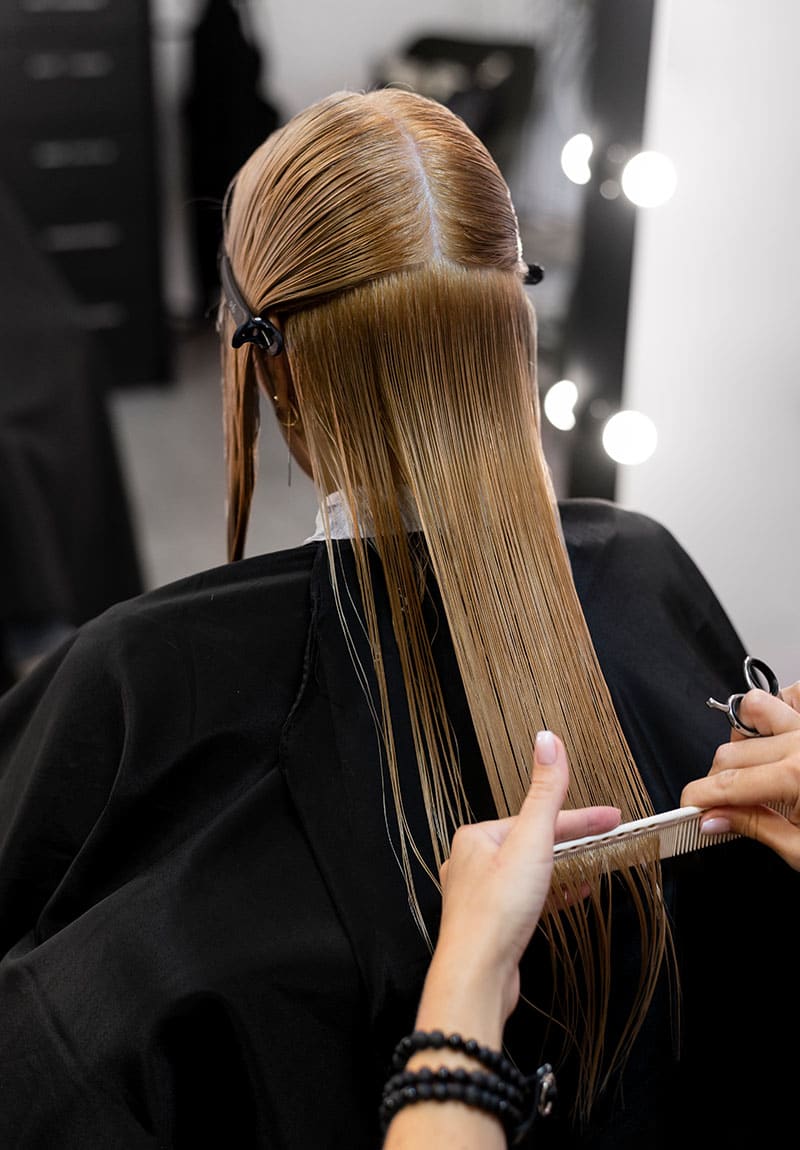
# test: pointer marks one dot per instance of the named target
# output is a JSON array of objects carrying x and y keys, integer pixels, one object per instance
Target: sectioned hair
[{"x": 378, "y": 227}]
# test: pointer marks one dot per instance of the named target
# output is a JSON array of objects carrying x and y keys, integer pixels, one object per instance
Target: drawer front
[
  {"x": 62, "y": 179},
  {"x": 92, "y": 83},
  {"x": 48, "y": 19},
  {"x": 105, "y": 271},
  {"x": 116, "y": 292},
  {"x": 112, "y": 270}
]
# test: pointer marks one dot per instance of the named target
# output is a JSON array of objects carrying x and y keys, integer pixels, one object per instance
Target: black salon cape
[{"x": 205, "y": 935}]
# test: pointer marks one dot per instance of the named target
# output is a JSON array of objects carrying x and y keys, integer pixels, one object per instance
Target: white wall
[
  {"x": 714, "y": 335},
  {"x": 313, "y": 47}
]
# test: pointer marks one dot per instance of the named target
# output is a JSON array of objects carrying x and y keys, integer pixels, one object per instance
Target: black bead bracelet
[
  {"x": 482, "y": 1079},
  {"x": 493, "y": 1060},
  {"x": 473, "y": 1088},
  {"x": 500, "y": 1089}
]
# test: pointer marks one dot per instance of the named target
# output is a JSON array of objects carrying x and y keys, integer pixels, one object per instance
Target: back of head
[
  {"x": 361, "y": 185},
  {"x": 376, "y": 228}
]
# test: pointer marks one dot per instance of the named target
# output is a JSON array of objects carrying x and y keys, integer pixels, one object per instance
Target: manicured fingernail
[
  {"x": 545, "y": 747},
  {"x": 717, "y": 826}
]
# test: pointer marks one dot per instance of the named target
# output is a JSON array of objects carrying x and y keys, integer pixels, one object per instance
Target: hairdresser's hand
[
  {"x": 748, "y": 773},
  {"x": 495, "y": 884}
]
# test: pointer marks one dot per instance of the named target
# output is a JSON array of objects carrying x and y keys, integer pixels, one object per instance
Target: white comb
[{"x": 677, "y": 833}]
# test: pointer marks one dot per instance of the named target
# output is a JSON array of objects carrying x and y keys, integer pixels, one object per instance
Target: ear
[
  {"x": 275, "y": 381},
  {"x": 274, "y": 375}
]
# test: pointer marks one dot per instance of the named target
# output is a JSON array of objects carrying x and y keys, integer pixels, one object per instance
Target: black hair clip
[
  {"x": 534, "y": 274},
  {"x": 250, "y": 328}
]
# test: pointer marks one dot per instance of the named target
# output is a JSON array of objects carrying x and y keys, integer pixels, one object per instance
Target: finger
[
  {"x": 570, "y": 824},
  {"x": 760, "y": 823},
  {"x": 574, "y": 824},
  {"x": 767, "y": 713},
  {"x": 791, "y": 695},
  {"x": 534, "y": 829},
  {"x": 549, "y": 778},
  {"x": 754, "y": 752},
  {"x": 772, "y": 783}
]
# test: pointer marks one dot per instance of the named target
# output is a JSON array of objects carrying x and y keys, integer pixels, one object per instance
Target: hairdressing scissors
[{"x": 757, "y": 674}]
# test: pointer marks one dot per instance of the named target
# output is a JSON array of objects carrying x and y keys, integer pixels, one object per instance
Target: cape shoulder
[
  {"x": 203, "y": 671},
  {"x": 617, "y": 554}
]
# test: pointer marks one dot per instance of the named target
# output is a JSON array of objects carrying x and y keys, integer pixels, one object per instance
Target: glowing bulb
[
  {"x": 575, "y": 158},
  {"x": 559, "y": 402},
  {"x": 630, "y": 437},
  {"x": 649, "y": 179}
]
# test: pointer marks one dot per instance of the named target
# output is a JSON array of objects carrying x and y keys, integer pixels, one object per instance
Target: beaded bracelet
[
  {"x": 474, "y": 1088},
  {"x": 482, "y": 1079},
  {"x": 436, "y": 1040},
  {"x": 504, "y": 1091}
]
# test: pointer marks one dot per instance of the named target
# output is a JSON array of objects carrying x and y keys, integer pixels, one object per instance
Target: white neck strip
[{"x": 340, "y": 522}]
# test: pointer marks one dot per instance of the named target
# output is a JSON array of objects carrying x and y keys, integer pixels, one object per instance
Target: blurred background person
[{"x": 225, "y": 116}]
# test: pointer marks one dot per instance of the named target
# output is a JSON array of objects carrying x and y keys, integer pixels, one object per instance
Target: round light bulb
[
  {"x": 559, "y": 403},
  {"x": 630, "y": 437},
  {"x": 649, "y": 179},
  {"x": 575, "y": 158}
]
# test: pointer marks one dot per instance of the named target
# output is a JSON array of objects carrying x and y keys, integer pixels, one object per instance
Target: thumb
[
  {"x": 550, "y": 776},
  {"x": 534, "y": 827}
]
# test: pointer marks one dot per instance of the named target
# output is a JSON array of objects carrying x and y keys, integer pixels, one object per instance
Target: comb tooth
[
  {"x": 690, "y": 835},
  {"x": 669, "y": 841},
  {"x": 693, "y": 834},
  {"x": 676, "y": 838},
  {"x": 684, "y": 837},
  {"x": 687, "y": 836}
]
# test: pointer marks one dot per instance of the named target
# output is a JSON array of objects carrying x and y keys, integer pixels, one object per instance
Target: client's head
[{"x": 372, "y": 227}]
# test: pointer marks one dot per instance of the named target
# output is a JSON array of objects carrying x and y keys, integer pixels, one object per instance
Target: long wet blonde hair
[{"x": 380, "y": 231}]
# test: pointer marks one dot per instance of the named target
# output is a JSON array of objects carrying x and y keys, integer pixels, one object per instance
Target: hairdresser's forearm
[
  {"x": 459, "y": 997},
  {"x": 453, "y": 1004},
  {"x": 446, "y": 1126}
]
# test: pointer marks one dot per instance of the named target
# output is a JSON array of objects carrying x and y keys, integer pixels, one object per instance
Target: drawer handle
[
  {"x": 69, "y": 65},
  {"x": 94, "y": 236},
  {"x": 89, "y": 153},
  {"x": 63, "y": 5}
]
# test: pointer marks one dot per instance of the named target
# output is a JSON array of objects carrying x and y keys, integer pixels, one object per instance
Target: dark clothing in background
[
  {"x": 206, "y": 936},
  {"x": 226, "y": 117},
  {"x": 67, "y": 545}
]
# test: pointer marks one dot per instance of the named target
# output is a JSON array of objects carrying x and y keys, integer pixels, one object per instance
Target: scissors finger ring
[{"x": 758, "y": 674}]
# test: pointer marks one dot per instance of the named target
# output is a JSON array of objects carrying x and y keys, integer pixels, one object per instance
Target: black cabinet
[{"x": 79, "y": 156}]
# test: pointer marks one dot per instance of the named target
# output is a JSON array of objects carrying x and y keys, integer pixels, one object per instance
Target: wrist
[{"x": 470, "y": 1004}]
